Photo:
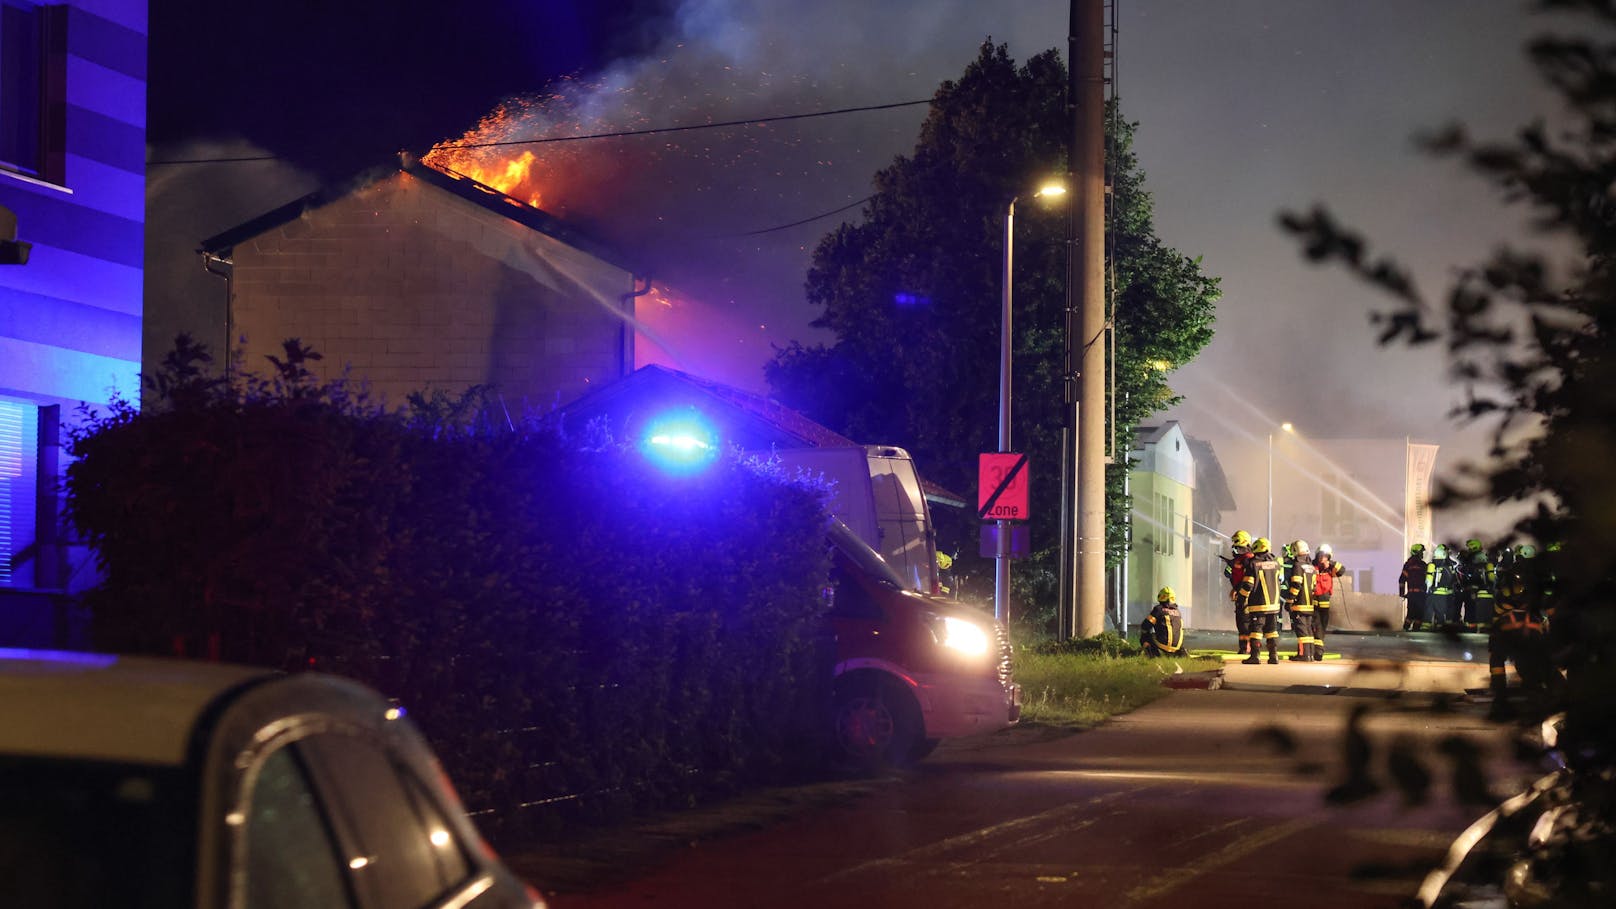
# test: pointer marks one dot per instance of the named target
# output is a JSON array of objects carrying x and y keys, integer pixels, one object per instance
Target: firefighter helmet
[
  {"x": 1324, "y": 549},
  {"x": 1300, "y": 548},
  {"x": 1473, "y": 545},
  {"x": 1165, "y": 595},
  {"x": 1417, "y": 549},
  {"x": 1240, "y": 538},
  {"x": 1526, "y": 551},
  {"x": 1441, "y": 552},
  {"x": 1260, "y": 546}
]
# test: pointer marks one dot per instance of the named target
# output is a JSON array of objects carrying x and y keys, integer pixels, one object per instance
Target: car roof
[{"x": 112, "y": 708}]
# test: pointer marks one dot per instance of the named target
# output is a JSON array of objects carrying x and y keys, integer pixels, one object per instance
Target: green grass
[{"x": 1084, "y": 689}]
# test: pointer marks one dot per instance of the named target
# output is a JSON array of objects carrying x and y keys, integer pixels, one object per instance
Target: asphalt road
[{"x": 1207, "y": 798}]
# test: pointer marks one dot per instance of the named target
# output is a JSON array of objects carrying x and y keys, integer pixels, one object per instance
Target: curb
[{"x": 1207, "y": 681}]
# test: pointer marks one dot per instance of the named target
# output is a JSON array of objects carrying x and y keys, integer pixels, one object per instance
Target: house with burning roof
[{"x": 418, "y": 279}]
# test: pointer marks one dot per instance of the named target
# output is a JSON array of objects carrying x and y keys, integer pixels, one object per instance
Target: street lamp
[
  {"x": 1001, "y": 558},
  {"x": 1270, "y": 532}
]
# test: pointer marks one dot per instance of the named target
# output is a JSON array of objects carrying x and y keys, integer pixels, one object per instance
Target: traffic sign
[{"x": 1002, "y": 487}]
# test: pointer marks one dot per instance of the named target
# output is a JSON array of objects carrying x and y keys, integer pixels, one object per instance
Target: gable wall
[{"x": 416, "y": 289}]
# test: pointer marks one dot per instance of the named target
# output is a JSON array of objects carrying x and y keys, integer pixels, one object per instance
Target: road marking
[
  {"x": 943, "y": 846},
  {"x": 1241, "y": 847}
]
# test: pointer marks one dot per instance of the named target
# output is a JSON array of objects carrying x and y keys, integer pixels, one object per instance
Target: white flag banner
[{"x": 1417, "y": 495}]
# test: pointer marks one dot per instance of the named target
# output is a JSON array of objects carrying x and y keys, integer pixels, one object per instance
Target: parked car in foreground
[
  {"x": 911, "y": 670},
  {"x": 157, "y": 783}
]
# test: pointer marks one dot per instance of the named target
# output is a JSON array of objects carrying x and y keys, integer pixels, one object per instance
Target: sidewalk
[{"x": 1362, "y": 677}]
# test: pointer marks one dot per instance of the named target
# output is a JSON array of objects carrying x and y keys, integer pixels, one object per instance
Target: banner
[{"x": 1417, "y": 526}]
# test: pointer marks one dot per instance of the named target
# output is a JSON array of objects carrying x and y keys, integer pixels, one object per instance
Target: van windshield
[{"x": 867, "y": 559}]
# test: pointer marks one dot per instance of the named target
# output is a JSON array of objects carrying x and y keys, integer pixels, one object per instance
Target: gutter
[
  {"x": 625, "y": 343},
  {"x": 209, "y": 259}
]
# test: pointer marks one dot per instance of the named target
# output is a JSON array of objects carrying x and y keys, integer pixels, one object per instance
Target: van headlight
[{"x": 964, "y": 636}]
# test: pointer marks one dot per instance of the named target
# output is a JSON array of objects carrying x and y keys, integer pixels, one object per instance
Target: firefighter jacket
[
  {"x": 1259, "y": 590},
  {"x": 1235, "y": 570},
  {"x": 1301, "y": 577},
  {"x": 1443, "y": 576},
  {"x": 1324, "y": 582},
  {"x": 1412, "y": 580},
  {"x": 1165, "y": 627},
  {"x": 1480, "y": 576},
  {"x": 1518, "y": 608}
]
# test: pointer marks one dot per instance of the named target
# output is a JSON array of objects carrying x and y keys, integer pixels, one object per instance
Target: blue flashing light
[
  {"x": 909, "y": 299},
  {"x": 97, "y": 660},
  {"x": 681, "y": 444}
]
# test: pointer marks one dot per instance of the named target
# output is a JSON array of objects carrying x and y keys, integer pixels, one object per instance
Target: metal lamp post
[{"x": 1001, "y": 558}]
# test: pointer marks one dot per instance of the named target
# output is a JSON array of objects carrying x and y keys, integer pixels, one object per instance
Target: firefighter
[
  {"x": 1300, "y": 575},
  {"x": 1516, "y": 633},
  {"x": 1442, "y": 579},
  {"x": 1235, "y": 568},
  {"x": 1259, "y": 597},
  {"x": 1411, "y": 587},
  {"x": 1477, "y": 586},
  {"x": 1162, "y": 632},
  {"x": 1323, "y": 589}
]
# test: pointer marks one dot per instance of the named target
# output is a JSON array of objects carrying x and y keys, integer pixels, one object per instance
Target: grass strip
[{"x": 1082, "y": 690}]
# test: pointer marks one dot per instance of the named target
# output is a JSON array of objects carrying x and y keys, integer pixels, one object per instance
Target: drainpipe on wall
[
  {"x": 626, "y": 339},
  {"x": 208, "y": 261}
]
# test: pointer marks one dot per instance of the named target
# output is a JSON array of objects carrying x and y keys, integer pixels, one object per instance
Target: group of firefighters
[
  {"x": 1510, "y": 596},
  {"x": 1261, "y": 582}
]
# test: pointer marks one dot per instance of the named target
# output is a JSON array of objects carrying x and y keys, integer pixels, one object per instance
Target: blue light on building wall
[{"x": 680, "y": 443}]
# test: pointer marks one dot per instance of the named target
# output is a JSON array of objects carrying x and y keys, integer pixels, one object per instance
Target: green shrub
[{"x": 572, "y": 628}]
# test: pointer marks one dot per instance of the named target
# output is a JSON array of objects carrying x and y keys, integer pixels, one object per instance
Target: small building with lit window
[
  {"x": 1161, "y": 545},
  {"x": 72, "y": 210}
]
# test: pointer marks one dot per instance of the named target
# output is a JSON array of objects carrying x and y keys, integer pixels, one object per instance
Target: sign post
[{"x": 1002, "y": 496}]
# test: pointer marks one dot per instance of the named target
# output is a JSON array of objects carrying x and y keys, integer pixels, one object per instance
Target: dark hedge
[{"x": 579, "y": 634}]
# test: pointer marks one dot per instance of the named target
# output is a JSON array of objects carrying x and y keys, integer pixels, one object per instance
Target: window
[
  {"x": 1365, "y": 581},
  {"x": 291, "y": 859},
  {"x": 1164, "y": 521},
  {"x": 1340, "y": 516},
  {"x": 32, "y": 65},
  {"x": 19, "y": 452},
  {"x": 408, "y": 854}
]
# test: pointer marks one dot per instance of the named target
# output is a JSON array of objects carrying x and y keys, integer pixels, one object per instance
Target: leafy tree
[
  {"x": 1529, "y": 333},
  {"x": 912, "y": 295}
]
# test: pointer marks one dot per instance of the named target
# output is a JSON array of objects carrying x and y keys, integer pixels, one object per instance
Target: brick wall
[{"x": 413, "y": 288}]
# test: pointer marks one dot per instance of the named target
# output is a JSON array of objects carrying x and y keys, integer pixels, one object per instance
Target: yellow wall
[{"x": 1160, "y": 556}]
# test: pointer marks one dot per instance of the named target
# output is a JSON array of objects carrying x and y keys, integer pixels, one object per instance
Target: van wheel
[{"x": 877, "y": 725}]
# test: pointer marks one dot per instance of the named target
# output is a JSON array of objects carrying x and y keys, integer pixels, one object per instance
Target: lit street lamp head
[{"x": 1052, "y": 188}]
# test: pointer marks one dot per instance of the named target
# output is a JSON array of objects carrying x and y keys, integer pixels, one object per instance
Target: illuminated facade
[
  {"x": 72, "y": 173},
  {"x": 1161, "y": 548}
]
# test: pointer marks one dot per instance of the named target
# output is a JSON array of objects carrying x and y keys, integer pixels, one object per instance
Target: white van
[{"x": 876, "y": 493}]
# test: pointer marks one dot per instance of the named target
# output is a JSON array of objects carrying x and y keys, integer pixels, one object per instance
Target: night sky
[{"x": 1246, "y": 107}]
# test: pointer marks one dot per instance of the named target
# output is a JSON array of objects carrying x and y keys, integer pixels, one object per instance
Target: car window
[
  {"x": 76, "y": 833},
  {"x": 408, "y": 855},
  {"x": 292, "y": 860}
]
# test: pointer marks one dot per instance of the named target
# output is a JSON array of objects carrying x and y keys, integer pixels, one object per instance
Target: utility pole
[{"x": 1084, "y": 561}]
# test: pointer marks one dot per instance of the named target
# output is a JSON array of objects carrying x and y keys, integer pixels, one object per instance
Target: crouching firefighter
[
  {"x": 1259, "y": 598},
  {"x": 1162, "y": 632}
]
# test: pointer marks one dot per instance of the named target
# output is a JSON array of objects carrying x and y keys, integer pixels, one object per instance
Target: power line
[
  {"x": 808, "y": 220},
  {"x": 609, "y": 135},
  {"x": 676, "y": 129}
]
